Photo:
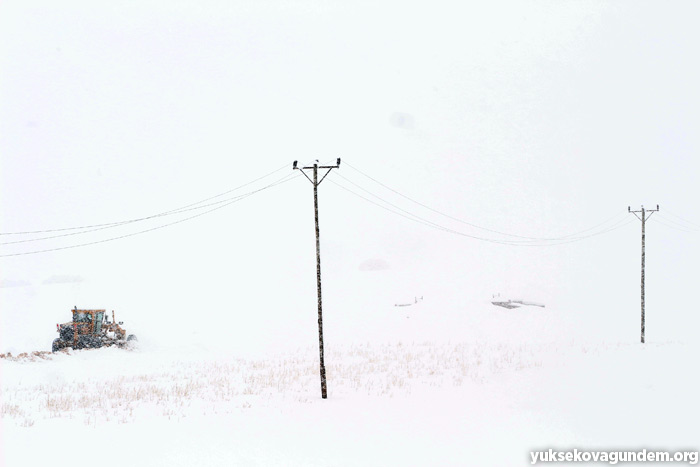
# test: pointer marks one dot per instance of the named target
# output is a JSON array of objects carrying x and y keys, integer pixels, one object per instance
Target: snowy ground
[{"x": 441, "y": 390}]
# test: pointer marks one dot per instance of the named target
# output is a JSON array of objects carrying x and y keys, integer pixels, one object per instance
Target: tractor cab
[{"x": 88, "y": 321}]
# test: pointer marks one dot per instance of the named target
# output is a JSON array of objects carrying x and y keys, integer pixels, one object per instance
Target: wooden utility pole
[
  {"x": 316, "y": 182},
  {"x": 643, "y": 217}
]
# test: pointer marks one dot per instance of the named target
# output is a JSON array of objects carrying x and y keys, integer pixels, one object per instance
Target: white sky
[{"x": 535, "y": 118}]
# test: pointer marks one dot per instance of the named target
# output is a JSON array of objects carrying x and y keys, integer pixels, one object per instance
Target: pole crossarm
[
  {"x": 316, "y": 167},
  {"x": 643, "y": 210}
]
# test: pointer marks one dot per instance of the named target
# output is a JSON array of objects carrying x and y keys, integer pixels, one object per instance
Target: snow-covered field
[
  {"x": 489, "y": 149},
  {"x": 482, "y": 386}
]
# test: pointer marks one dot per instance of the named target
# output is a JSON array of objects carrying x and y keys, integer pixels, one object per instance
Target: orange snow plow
[{"x": 91, "y": 329}]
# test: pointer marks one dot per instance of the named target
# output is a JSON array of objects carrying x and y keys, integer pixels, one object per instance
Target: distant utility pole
[
  {"x": 316, "y": 182},
  {"x": 644, "y": 214}
]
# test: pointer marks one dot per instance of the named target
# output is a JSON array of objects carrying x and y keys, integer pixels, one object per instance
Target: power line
[
  {"x": 421, "y": 220},
  {"x": 504, "y": 241},
  {"x": 416, "y": 218},
  {"x": 284, "y": 179},
  {"x": 413, "y": 217},
  {"x": 677, "y": 226},
  {"x": 524, "y": 238},
  {"x": 111, "y": 226},
  {"x": 694, "y": 225},
  {"x": 153, "y": 216},
  {"x": 408, "y": 215}
]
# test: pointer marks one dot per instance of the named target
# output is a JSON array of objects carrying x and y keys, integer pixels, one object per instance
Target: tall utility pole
[
  {"x": 316, "y": 182},
  {"x": 644, "y": 214}
]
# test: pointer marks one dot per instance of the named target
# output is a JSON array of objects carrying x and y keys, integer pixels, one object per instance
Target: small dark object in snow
[
  {"x": 510, "y": 304},
  {"x": 415, "y": 302}
]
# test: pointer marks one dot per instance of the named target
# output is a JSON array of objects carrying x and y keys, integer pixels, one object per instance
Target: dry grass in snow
[{"x": 88, "y": 390}]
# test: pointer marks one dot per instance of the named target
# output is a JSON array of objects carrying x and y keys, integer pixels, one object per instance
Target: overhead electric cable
[
  {"x": 129, "y": 221},
  {"x": 111, "y": 226},
  {"x": 677, "y": 225},
  {"x": 411, "y": 216},
  {"x": 524, "y": 238},
  {"x": 665, "y": 223},
  {"x": 504, "y": 241},
  {"x": 284, "y": 179},
  {"x": 694, "y": 225}
]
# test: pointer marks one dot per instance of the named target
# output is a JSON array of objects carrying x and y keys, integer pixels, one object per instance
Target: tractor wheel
[
  {"x": 57, "y": 345},
  {"x": 66, "y": 333}
]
